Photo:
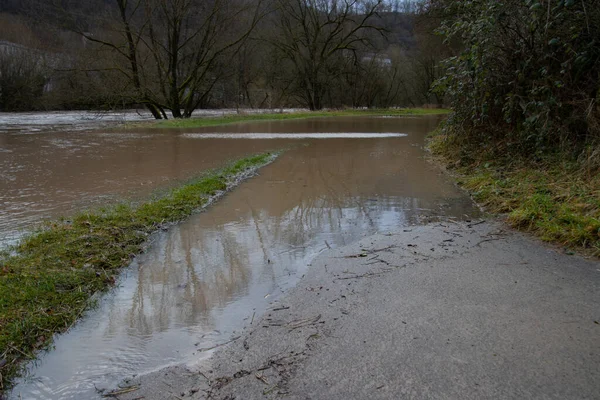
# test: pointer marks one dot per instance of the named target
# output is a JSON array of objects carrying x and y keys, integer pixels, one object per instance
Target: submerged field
[
  {"x": 192, "y": 262},
  {"x": 47, "y": 280}
]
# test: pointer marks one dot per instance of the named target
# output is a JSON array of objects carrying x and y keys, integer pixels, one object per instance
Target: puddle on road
[{"x": 201, "y": 280}]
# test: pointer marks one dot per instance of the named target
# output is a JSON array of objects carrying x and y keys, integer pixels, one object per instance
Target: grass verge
[
  {"x": 47, "y": 280},
  {"x": 230, "y": 119},
  {"x": 554, "y": 198}
]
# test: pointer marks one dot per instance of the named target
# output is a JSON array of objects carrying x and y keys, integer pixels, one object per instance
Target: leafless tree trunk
[{"x": 170, "y": 48}]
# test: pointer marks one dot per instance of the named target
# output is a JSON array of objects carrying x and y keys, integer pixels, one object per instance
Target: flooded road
[
  {"x": 51, "y": 173},
  {"x": 200, "y": 281}
]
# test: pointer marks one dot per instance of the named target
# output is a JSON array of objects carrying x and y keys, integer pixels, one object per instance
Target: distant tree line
[{"x": 174, "y": 56}]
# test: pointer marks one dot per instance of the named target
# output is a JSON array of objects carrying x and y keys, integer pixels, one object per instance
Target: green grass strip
[
  {"x": 554, "y": 198},
  {"x": 230, "y": 119},
  {"x": 47, "y": 280}
]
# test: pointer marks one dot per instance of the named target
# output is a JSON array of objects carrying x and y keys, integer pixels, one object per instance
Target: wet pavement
[{"x": 441, "y": 311}]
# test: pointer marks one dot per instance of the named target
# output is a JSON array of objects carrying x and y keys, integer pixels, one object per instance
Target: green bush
[{"x": 528, "y": 74}]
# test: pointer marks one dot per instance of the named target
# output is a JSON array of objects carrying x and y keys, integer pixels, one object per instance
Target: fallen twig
[
  {"x": 203, "y": 349},
  {"x": 476, "y": 223},
  {"x": 20, "y": 351},
  {"x": 302, "y": 322},
  {"x": 367, "y": 275},
  {"x": 488, "y": 240},
  {"x": 261, "y": 378},
  {"x": 269, "y": 390},
  {"x": 121, "y": 391},
  {"x": 204, "y": 375}
]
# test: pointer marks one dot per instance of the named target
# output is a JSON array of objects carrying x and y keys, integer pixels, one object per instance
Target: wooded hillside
[{"x": 179, "y": 55}]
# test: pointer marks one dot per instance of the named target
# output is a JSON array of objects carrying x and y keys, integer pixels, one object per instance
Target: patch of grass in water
[
  {"x": 47, "y": 280},
  {"x": 230, "y": 119}
]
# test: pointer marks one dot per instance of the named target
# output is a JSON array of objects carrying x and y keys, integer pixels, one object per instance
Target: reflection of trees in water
[
  {"x": 248, "y": 244},
  {"x": 192, "y": 270},
  {"x": 320, "y": 220},
  {"x": 185, "y": 275}
]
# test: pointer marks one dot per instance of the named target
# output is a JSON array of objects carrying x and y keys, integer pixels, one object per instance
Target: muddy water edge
[{"x": 199, "y": 282}]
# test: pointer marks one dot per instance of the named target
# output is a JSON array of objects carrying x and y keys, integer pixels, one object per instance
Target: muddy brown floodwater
[
  {"x": 52, "y": 164},
  {"x": 201, "y": 280}
]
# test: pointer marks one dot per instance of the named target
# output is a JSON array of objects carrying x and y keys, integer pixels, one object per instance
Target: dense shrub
[
  {"x": 528, "y": 77},
  {"x": 22, "y": 79}
]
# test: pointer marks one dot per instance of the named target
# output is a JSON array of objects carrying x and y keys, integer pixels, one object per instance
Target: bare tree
[
  {"x": 310, "y": 34},
  {"x": 169, "y": 48},
  {"x": 23, "y": 75}
]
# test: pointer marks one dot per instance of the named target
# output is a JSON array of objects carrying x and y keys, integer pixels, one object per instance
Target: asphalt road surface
[{"x": 442, "y": 311}]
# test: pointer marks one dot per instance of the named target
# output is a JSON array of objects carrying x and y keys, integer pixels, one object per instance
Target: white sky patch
[{"x": 308, "y": 135}]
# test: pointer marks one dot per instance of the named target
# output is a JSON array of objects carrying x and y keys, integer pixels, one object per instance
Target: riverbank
[
  {"x": 244, "y": 117},
  {"x": 48, "y": 279},
  {"x": 554, "y": 198},
  {"x": 447, "y": 310}
]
